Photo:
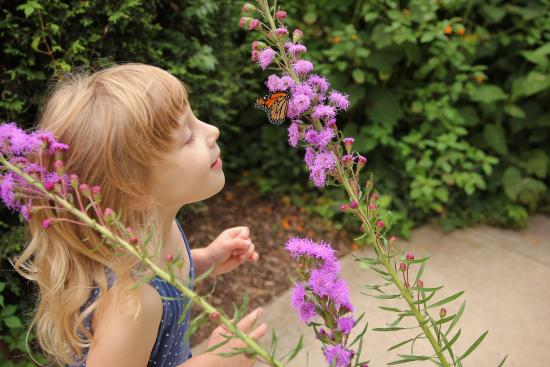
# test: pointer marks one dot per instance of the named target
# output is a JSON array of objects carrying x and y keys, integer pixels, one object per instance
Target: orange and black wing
[{"x": 276, "y": 106}]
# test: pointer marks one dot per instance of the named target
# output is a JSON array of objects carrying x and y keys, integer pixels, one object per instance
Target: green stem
[
  {"x": 395, "y": 278},
  {"x": 193, "y": 297}
]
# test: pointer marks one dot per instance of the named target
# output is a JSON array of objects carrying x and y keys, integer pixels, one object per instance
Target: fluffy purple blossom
[
  {"x": 319, "y": 82},
  {"x": 298, "y": 294},
  {"x": 6, "y": 191},
  {"x": 338, "y": 355},
  {"x": 293, "y": 134},
  {"x": 295, "y": 48},
  {"x": 339, "y": 100},
  {"x": 307, "y": 312},
  {"x": 345, "y": 324},
  {"x": 303, "y": 89},
  {"x": 13, "y": 140},
  {"x": 318, "y": 177},
  {"x": 321, "y": 111},
  {"x": 297, "y": 105},
  {"x": 309, "y": 156},
  {"x": 266, "y": 57},
  {"x": 275, "y": 83},
  {"x": 320, "y": 139},
  {"x": 302, "y": 67},
  {"x": 325, "y": 161},
  {"x": 321, "y": 282},
  {"x": 339, "y": 294},
  {"x": 281, "y": 31}
]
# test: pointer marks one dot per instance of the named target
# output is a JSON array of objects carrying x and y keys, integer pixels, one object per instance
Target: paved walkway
[{"x": 506, "y": 276}]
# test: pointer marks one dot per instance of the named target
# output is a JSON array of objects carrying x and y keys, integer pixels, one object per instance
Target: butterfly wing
[{"x": 276, "y": 106}]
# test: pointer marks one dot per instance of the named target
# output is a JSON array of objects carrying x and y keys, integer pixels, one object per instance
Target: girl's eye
[{"x": 190, "y": 139}]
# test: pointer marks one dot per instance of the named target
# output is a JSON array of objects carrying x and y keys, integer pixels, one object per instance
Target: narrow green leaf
[
  {"x": 294, "y": 352},
  {"x": 415, "y": 261},
  {"x": 458, "y": 315},
  {"x": 446, "y": 300},
  {"x": 473, "y": 346},
  {"x": 360, "y": 336},
  {"x": 388, "y": 328},
  {"x": 391, "y": 309},
  {"x": 205, "y": 274},
  {"x": 451, "y": 342},
  {"x": 420, "y": 272},
  {"x": 426, "y": 289},
  {"x": 400, "y": 344},
  {"x": 424, "y": 299},
  {"x": 502, "y": 362}
]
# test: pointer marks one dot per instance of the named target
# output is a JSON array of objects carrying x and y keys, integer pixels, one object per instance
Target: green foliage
[{"x": 449, "y": 100}]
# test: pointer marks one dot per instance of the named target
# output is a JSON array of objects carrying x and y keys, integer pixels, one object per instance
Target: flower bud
[
  {"x": 58, "y": 164},
  {"x": 348, "y": 142},
  {"x": 255, "y": 23},
  {"x": 420, "y": 283},
  {"x": 393, "y": 238},
  {"x": 133, "y": 240},
  {"x": 331, "y": 123},
  {"x": 280, "y": 15},
  {"x": 403, "y": 267},
  {"x": 46, "y": 222},
  {"x": 84, "y": 188},
  {"x": 108, "y": 214},
  {"x": 258, "y": 45},
  {"x": 49, "y": 186},
  {"x": 74, "y": 181},
  {"x": 297, "y": 35},
  {"x": 374, "y": 197},
  {"x": 96, "y": 193},
  {"x": 353, "y": 204},
  {"x": 347, "y": 160},
  {"x": 361, "y": 161},
  {"x": 169, "y": 257},
  {"x": 214, "y": 316},
  {"x": 344, "y": 207},
  {"x": 410, "y": 257},
  {"x": 442, "y": 312},
  {"x": 248, "y": 8},
  {"x": 372, "y": 206},
  {"x": 380, "y": 224},
  {"x": 244, "y": 22},
  {"x": 255, "y": 56}
]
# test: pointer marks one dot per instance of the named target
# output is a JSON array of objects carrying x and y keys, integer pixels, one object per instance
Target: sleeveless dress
[{"x": 169, "y": 349}]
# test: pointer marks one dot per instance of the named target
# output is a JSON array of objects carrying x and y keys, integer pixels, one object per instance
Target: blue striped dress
[{"x": 169, "y": 349}]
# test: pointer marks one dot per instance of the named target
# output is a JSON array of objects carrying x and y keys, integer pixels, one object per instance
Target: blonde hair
[{"x": 117, "y": 122}]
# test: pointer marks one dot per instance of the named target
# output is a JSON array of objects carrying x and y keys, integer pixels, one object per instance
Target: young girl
[{"x": 131, "y": 130}]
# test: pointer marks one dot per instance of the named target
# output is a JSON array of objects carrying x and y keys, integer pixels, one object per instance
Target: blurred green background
[{"x": 450, "y": 100}]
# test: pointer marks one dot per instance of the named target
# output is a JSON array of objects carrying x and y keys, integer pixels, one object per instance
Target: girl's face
[{"x": 190, "y": 176}]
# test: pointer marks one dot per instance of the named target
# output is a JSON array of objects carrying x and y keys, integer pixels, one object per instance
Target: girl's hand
[
  {"x": 244, "y": 325},
  {"x": 230, "y": 249}
]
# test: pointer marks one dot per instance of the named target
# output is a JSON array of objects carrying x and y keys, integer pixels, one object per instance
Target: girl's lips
[{"x": 216, "y": 162}]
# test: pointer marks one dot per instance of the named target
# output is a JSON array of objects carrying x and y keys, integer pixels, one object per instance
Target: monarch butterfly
[{"x": 276, "y": 106}]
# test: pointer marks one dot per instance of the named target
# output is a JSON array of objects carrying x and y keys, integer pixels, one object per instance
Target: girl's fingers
[
  {"x": 247, "y": 322},
  {"x": 259, "y": 332}
]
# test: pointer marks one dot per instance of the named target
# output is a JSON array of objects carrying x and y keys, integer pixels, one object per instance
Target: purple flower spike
[
  {"x": 266, "y": 57},
  {"x": 338, "y": 355}
]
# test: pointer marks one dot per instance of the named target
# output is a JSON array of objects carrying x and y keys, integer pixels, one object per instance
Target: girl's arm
[{"x": 201, "y": 260}]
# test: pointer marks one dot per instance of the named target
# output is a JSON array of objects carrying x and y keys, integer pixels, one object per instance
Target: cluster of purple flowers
[
  {"x": 312, "y": 107},
  {"x": 321, "y": 293},
  {"x": 15, "y": 146}
]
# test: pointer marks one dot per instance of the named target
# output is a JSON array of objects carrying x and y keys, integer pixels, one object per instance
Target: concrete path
[{"x": 506, "y": 276}]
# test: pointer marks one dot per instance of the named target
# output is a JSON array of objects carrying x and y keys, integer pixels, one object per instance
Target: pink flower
[
  {"x": 266, "y": 57},
  {"x": 255, "y": 23},
  {"x": 280, "y": 15},
  {"x": 302, "y": 67}
]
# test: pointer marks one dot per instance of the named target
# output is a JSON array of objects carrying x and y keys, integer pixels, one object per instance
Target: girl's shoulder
[{"x": 126, "y": 336}]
